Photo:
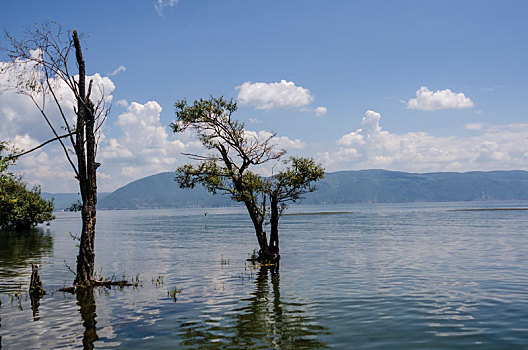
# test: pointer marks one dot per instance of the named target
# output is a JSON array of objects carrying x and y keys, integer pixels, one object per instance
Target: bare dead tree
[{"x": 44, "y": 63}]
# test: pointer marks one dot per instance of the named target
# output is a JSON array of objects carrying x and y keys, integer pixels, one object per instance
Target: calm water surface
[{"x": 413, "y": 276}]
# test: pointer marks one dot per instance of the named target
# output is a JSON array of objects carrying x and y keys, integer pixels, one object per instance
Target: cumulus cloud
[
  {"x": 21, "y": 123},
  {"x": 496, "y": 147},
  {"x": 18, "y": 114},
  {"x": 160, "y": 5},
  {"x": 138, "y": 146},
  {"x": 118, "y": 70},
  {"x": 281, "y": 142},
  {"x": 427, "y": 100},
  {"x": 49, "y": 169},
  {"x": 123, "y": 103},
  {"x": 273, "y": 95},
  {"x": 255, "y": 121},
  {"x": 143, "y": 145},
  {"x": 319, "y": 111},
  {"x": 134, "y": 144}
]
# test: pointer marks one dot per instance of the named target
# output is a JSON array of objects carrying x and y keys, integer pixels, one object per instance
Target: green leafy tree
[
  {"x": 76, "y": 206},
  {"x": 226, "y": 169},
  {"x": 20, "y": 208}
]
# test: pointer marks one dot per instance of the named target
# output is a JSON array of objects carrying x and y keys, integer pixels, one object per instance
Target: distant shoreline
[
  {"x": 488, "y": 209},
  {"x": 320, "y": 213}
]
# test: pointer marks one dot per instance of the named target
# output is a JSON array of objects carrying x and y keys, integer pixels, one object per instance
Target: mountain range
[{"x": 363, "y": 186}]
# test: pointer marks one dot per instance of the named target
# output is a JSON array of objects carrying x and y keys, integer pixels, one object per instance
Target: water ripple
[{"x": 384, "y": 276}]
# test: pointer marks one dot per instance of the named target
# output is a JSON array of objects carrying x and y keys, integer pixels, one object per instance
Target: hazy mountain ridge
[
  {"x": 363, "y": 186},
  {"x": 63, "y": 201}
]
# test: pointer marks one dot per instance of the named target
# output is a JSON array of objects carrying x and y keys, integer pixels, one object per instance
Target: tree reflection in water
[
  {"x": 35, "y": 304},
  {"x": 263, "y": 322},
  {"x": 86, "y": 303},
  {"x": 17, "y": 251}
]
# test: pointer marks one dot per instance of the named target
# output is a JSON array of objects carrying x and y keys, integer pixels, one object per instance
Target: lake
[{"x": 393, "y": 276}]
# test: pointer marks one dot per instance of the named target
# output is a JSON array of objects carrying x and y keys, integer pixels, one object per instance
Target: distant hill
[
  {"x": 381, "y": 186},
  {"x": 364, "y": 186},
  {"x": 160, "y": 191},
  {"x": 63, "y": 201}
]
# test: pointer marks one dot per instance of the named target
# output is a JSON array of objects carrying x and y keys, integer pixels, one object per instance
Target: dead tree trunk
[
  {"x": 274, "y": 223},
  {"x": 85, "y": 148},
  {"x": 35, "y": 286}
]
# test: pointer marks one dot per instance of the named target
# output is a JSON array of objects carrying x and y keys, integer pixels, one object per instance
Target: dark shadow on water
[
  {"x": 87, "y": 308},
  {"x": 262, "y": 321},
  {"x": 17, "y": 251}
]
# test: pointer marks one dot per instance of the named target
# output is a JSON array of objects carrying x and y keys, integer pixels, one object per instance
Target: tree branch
[
  {"x": 55, "y": 133},
  {"x": 43, "y": 144}
]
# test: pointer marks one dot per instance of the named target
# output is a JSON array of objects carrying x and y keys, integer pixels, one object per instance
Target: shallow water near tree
[{"x": 413, "y": 276}]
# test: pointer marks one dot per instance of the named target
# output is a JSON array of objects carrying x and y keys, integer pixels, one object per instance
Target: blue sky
[{"x": 336, "y": 80}]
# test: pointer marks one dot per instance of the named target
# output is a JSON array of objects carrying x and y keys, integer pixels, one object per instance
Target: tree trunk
[
  {"x": 274, "y": 222},
  {"x": 86, "y": 257},
  {"x": 259, "y": 231},
  {"x": 85, "y": 148},
  {"x": 35, "y": 285}
]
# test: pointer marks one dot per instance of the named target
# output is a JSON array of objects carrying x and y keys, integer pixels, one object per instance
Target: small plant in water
[
  {"x": 100, "y": 277},
  {"x": 158, "y": 282},
  {"x": 223, "y": 261},
  {"x": 253, "y": 256},
  {"x": 173, "y": 292},
  {"x": 76, "y": 238},
  {"x": 17, "y": 296},
  {"x": 136, "y": 282}
]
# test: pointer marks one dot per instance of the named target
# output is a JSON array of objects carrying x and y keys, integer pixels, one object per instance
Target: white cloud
[
  {"x": 118, "y": 70},
  {"x": 292, "y": 146},
  {"x": 281, "y": 142},
  {"x": 502, "y": 147},
  {"x": 134, "y": 145},
  {"x": 21, "y": 123},
  {"x": 474, "y": 126},
  {"x": 18, "y": 114},
  {"x": 159, "y": 5},
  {"x": 48, "y": 169},
  {"x": 142, "y": 146},
  {"x": 255, "y": 121},
  {"x": 123, "y": 103},
  {"x": 273, "y": 95},
  {"x": 427, "y": 100},
  {"x": 319, "y": 111}
]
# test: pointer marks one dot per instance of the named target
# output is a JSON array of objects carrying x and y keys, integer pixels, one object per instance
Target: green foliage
[
  {"x": 226, "y": 170},
  {"x": 6, "y": 161},
  {"x": 76, "y": 206},
  {"x": 173, "y": 293},
  {"x": 20, "y": 207},
  {"x": 297, "y": 179}
]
